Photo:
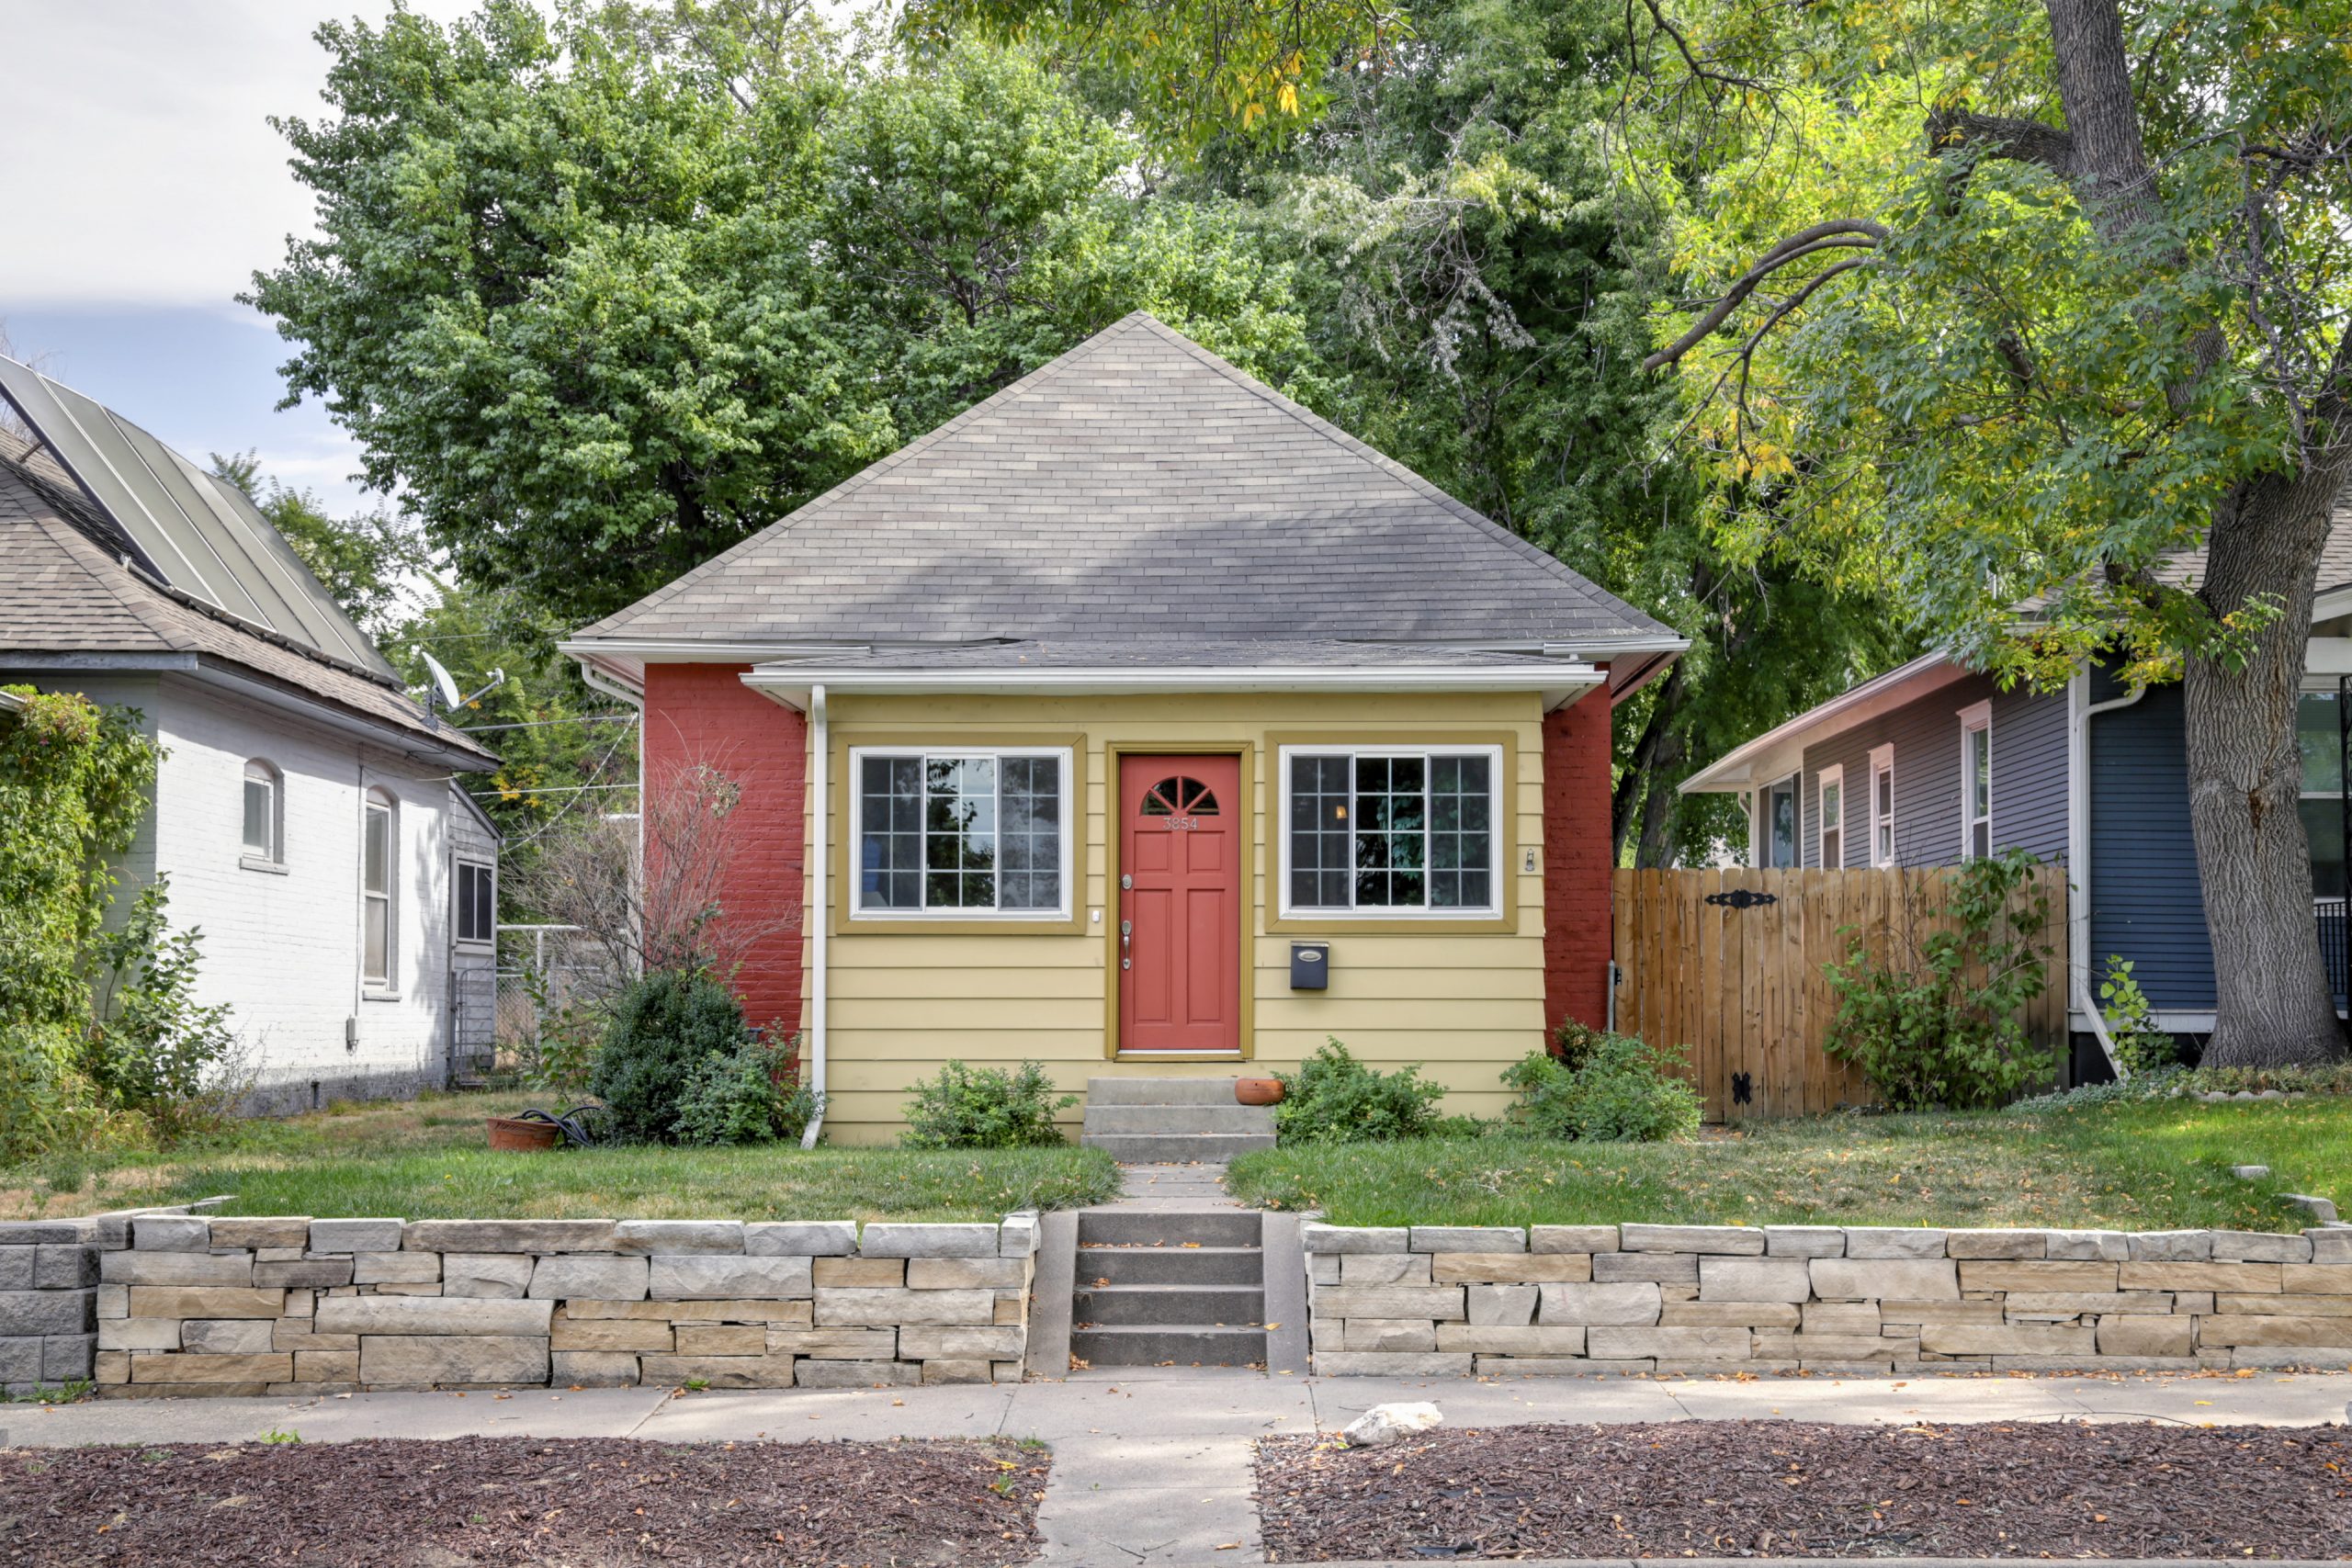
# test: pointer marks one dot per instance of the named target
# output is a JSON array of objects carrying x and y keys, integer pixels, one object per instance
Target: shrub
[
  {"x": 2140, "y": 1045},
  {"x": 747, "y": 1096},
  {"x": 984, "y": 1108},
  {"x": 663, "y": 1026},
  {"x": 149, "y": 1047},
  {"x": 1939, "y": 1026},
  {"x": 1334, "y": 1099},
  {"x": 1603, "y": 1088}
]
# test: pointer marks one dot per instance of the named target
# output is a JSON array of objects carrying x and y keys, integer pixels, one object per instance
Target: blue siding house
[{"x": 1932, "y": 764}]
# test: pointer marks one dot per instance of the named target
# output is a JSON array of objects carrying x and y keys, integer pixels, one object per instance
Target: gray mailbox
[{"x": 1310, "y": 965}]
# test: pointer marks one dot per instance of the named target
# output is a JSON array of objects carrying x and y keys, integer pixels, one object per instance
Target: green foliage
[
  {"x": 2140, "y": 1045},
  {"x": 1936, "y": 1023},
  {"x": 745, "y": 1097},
  {"x": 662, "y": 1028},
  {"x": 150, "y": 1047},
  {"x": 1334, "y": 1099},
  {"x": 74, "y": 780},
  {"x": 593, "y": 289},
  {"x": 1602, "y": 1088},
  {"x": 984, "y": 1108}
]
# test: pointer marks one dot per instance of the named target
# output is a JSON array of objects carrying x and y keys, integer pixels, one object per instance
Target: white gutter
[
  {"x": 1556, "y": 683},
  {"x": 820, "y": 847},
  {"x": 2081, "y": 710}
]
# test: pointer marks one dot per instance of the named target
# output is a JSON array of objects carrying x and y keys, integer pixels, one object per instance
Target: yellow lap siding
[{"x": 902, "y": 1001}]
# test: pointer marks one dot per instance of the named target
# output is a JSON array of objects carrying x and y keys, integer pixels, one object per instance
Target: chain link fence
[{"x": 548, "y": 975}]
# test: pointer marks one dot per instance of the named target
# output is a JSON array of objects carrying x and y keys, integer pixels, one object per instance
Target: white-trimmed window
[
  {"x": 1387, "y": 830},
  {"x": 379, "y": 843},
  {"x": 1829, "y": 810},
  {"x": 1883, "y": 806},
  {"x": 1976, "y": 780},
  {"x": 476, "y": 891},
  {"x": 265, "y": 814},
  {"x": 2318, "y": 735},
  {"x": 969, "y": 831}
]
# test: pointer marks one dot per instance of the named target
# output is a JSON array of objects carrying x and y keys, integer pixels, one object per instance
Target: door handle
[{"x": 1127, "y": 944}]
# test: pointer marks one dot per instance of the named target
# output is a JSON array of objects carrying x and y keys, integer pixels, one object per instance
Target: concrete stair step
[
  {"x": 1179, "y": 1119},
  {"x": 1126, "y": 1091},
  {"x": 1179, "y": 1148},
  {"x": 1171, "y": 1265},
  {"x": 1147, "y": 1347},
  {"x": 1169, "y": 1306},
  {"x": 1170, "y": 1229}
]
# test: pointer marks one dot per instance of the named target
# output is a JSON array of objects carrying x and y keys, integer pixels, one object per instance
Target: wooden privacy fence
[{"x": 1724, "y": 967}]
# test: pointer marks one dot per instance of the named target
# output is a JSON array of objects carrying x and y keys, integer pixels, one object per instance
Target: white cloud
[{"x": 136, "y": 130}]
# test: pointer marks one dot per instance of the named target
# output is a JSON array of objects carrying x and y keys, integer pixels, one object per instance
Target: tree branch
[
  {"x": 1999, "y": 136},
  {"x": 1834, "y": 235}
]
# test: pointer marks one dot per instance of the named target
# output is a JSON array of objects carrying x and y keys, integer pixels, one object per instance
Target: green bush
[
  {"x": 1334, "y": 1099},
  {"x": 746, "y": 1097},
  {"x": 663, "y": 1026},
  {"x": 1939, "y": 1026},
  {"x": 1603, "y": 1088},
  {"x": 984, "y": 1108},
  {"x": 2140, "y": 1045},
  {"x": 149, "y": 1047}
]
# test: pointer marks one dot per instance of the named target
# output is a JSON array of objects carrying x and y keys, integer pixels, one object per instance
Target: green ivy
[{"x": 74, "y": 780}]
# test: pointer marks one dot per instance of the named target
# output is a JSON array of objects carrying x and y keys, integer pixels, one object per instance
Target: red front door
[{"x": 1179, "y": 903}]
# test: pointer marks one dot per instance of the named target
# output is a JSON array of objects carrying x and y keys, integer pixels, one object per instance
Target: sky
[{"x": 137, "y": 130}]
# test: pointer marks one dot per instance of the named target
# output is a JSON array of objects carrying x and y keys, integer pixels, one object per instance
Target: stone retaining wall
[
  {"x": 1583, "y": 1299},
  {"x": 175, "y": 1303}
]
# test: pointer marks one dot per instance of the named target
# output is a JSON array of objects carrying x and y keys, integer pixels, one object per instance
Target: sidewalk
[{"x": 1156, "y": 1468}]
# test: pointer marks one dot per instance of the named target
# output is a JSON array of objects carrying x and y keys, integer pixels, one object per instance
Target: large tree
[
  {"x": 624, "y": 287},
  {"x": 2012, "y": 305}
]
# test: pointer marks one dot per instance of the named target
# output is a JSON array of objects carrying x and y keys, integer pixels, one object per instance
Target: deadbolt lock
[{"x": 1128, "y": 881}]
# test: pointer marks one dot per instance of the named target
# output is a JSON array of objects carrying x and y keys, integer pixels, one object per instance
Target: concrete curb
[
  {"x": 1283, "y": 1260},
  {"x": 1050, "y": 1295}
]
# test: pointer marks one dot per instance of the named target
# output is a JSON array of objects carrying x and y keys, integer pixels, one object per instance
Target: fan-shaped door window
[{"x": 1180, "y": 797}]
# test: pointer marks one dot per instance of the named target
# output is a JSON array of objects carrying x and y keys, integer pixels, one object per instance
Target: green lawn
[
  {"x": 425, "y": 1159},
  {"x": 2156, "y": 1166}
]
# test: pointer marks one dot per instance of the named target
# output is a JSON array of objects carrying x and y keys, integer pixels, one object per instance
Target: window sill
[
  {"x": 372, "y": 995},
  {"x": 261, "y": 863}
]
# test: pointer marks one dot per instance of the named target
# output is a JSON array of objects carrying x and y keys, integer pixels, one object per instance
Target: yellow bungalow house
[{"x": 1139, "y": 722}]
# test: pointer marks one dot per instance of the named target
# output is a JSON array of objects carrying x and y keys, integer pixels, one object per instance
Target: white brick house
[{"x": 311, "y": 818}]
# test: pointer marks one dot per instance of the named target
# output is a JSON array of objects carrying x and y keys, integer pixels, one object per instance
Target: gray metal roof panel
[{"x": 1137, "y": 486}]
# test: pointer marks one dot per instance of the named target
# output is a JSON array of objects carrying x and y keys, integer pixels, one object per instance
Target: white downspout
[
  {"x": 2082, "y": 710},
  {"x": 821, "y": 909}
]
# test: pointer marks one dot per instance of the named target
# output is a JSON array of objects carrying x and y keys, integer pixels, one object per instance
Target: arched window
[
  {"x": 264, "y": 813},
  {"x": 379, "y": 843}
]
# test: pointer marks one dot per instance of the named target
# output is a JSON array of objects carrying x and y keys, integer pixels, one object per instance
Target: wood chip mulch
[
  {"x": 1802, "y": 1489},
  {"x": 569, "y": 1502}
]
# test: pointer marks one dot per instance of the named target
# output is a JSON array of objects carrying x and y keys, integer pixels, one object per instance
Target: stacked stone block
[
  {"x": 1858, "y": 1300},
  {"x": 49, "y": 1277},
  {"x": 192, "y": 1305}
]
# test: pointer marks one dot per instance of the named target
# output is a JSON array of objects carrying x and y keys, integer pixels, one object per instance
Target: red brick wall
[
  {"x": 1577, "y": 928},
  {"x": 703, "y": 714}
]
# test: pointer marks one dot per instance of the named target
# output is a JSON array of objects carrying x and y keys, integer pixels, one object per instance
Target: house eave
[
  {"x": 1735, "y": 770},
  {"x": 792, "y": 685}
]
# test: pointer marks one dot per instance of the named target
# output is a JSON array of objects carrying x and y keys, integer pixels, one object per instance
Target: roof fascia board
[
  {"x": 791, "y": 684},
  {"x": 13, "y": 659},
  {"x": 2331, "y": 602},
  {"x": 321, "y": 712},
  {"x": 1735, "y": 770}
]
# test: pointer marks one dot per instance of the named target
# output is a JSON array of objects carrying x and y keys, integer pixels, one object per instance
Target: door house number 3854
[{"x": 1180, "y": 824}]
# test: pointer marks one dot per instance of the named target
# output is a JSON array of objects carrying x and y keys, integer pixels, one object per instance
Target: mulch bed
[
  {"x": 572, "y": 1502},
  {"x": 1802, "y": 1489}
]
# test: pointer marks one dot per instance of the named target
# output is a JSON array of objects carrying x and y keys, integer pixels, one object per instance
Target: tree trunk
[
  {"x": 1639, "y": 780},
  {"x": 2273, "y": 1002},
  {"x": 1655, "y": 846}
]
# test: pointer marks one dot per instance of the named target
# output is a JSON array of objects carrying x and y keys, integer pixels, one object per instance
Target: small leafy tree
[
  {"x": 150, "y": 1047},
  {"x": 2140, "y": 1045},
  {"x": 985, "y": 1107},
  {"x": 1936, "y": 1023},
  {"x": 750, "y": 1096},
  {"x": 1334, "y": 1099},
  {"x": 663, "y": 1027}
]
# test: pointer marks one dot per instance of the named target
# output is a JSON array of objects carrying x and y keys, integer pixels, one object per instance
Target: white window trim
[
  {"x": 1833, "y": 774},
  {"x": 274, "y": 859},
  {"x": 1976, "y": 719},
  {"x": 385, "y": 987},
  {"x": 853, "y": 800},
  {"x": 1495, "y": 785},
  {"x": 1794, "y": 783},
  {"x": 1883, "y": 763},
  {"x": 456, "y": 920}
]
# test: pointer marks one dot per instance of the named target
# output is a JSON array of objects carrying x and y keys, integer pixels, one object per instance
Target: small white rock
[{"x": 1385, "y": 1424}]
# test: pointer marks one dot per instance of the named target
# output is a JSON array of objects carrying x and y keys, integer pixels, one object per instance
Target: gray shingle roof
[
  {"x": 65, "y": 589},
  {"x": 1136, "y": 487}
]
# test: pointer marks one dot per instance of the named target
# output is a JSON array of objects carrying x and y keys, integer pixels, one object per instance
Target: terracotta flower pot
[
  {"x": 1257, "y": 1091},
  {"x": 506, "y": 1132}
]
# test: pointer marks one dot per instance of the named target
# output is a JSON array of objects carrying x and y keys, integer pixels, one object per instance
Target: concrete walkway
[{"x": 1156, "y": 1468}]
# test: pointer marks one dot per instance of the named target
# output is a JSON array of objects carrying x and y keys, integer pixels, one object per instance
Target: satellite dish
[{"x": 442, "y": 686}]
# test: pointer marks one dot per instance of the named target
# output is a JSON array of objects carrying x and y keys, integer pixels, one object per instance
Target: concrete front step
[
  {"x": 1124, "y": 1090},
  {"x": 1143, "y": 1346},
  {"x": 1170, "y": 1229},
  {"x": 1179, "y": 1119},
  {"x": 1179, "y": 1148},
  {"x": 1169, "y": 1306},
  {"x": 1170, "y": 1266}
]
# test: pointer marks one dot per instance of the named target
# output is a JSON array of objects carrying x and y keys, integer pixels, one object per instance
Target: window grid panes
[
  {"x": 1833, "y": 821},
  {"x": 376, "y": 893},
  {"x": 1980, "y": 792},
  {"x": 955, "y": 832},
  {"x": 477, "y": 902},
  {"x": 2319, "y": 738},
  {"x": 1371, "y": 831}
]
